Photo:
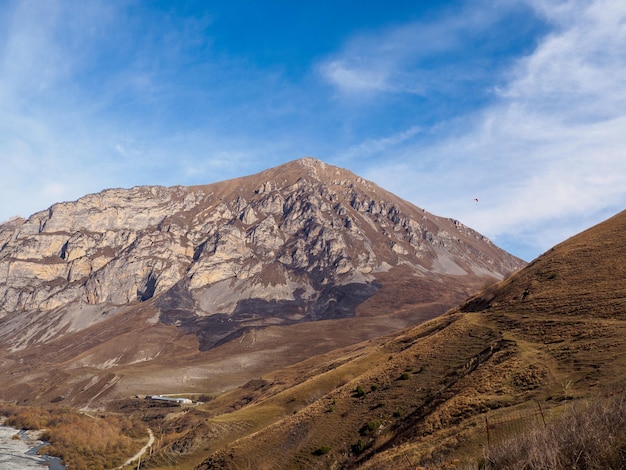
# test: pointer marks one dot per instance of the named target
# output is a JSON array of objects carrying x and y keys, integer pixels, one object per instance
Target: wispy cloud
[
  {"x": 419, "y": 57},
  {"x": 548, "y": 157},
  {"x": 351, "y": 76},
  {"x": 88, "y": 94},
  {"x": 377, "y": 147},
  {"x": 43, "y": 144}
]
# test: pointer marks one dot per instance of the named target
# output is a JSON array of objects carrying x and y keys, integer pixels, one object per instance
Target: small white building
[{"x": 180, "y": 401}]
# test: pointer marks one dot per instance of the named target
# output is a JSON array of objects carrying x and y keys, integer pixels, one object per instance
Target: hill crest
[{"x": 545, "y": 341}]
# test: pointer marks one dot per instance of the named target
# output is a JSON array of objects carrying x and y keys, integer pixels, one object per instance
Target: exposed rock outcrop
[{"x": 303, "y": 241}]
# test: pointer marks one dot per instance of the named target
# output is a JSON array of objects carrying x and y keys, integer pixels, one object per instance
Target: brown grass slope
[{"x": 548, "y": 337}]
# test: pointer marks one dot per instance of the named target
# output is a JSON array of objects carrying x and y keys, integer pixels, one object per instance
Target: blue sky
[{"x": 519, "y": 103}]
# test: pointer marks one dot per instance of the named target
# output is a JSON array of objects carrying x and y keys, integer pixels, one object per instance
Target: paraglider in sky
[{"x": 476, "y": 200}]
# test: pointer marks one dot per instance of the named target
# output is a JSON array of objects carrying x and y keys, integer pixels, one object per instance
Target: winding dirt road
[{"x": 142, "y": 451}]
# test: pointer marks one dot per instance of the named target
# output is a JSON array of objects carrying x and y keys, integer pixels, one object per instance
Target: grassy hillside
[{"x": 517, "y": 356}]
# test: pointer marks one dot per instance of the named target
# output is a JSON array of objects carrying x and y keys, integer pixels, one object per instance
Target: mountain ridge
[{"x": 305, "y": 242}]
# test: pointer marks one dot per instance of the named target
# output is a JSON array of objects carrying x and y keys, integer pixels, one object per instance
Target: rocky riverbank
[{"x": 18, "y": 451}]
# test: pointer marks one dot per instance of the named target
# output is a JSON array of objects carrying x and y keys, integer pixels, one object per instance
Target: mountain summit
[{"x": 299, "y": 243}]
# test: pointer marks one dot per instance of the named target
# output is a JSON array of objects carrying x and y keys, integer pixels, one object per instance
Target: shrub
[
  {"x": 405, "y": 376},
  {"x": 28, "y": 420},
  {"x": 589, "y": 436},
  {"x": 359, "y": 447},
  {"x": 369, "y": 427},
  {"x": 322, "y": 450},
  {"x": 359, "y": 392},
  {"x": 83, "y": 442}
]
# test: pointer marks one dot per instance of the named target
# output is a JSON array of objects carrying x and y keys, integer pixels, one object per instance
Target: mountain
[
  {"x": 547, "y": 340},
  {"x": 201, "y": 288}
]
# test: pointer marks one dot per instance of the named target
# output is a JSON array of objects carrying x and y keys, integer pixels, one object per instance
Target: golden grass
[
  {"x": 587, "y": 435},
  {"x": 82, "y": 441}
]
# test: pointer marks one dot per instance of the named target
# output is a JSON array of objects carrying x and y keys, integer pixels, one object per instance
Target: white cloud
[
  {"x": 349, "y": 77},
  {"x": 580, "y": 67},
  {"x": 549, "y": 157},
  {"x": 397, "y": 59},
  {"x": 567, "y": 102},
  {"x": 78, "y": 92},
  {"x": 377, "y": 147}
]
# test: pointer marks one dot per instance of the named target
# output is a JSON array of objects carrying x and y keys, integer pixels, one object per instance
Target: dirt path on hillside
[{"x": 138, "y": 455}]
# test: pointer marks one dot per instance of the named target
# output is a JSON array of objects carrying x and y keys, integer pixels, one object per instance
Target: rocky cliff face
[
  {"x": 304, "y": 241},
  {"x": 157, "y": 290}
]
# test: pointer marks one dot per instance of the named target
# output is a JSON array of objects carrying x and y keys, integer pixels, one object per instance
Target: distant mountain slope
[
  {"x": 584, "y": 275},
  {"x": 521, "y": 351},
  {"x": 255, "y": 257}
]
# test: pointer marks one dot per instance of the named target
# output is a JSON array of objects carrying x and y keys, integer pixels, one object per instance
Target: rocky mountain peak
[{"x": 302, "y": 241}]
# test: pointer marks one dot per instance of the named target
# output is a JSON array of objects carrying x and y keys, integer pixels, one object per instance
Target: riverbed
[{"x": 21, "y": 454}]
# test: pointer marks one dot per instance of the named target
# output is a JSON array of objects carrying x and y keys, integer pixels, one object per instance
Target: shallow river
[{"x": 18, "y": 454}]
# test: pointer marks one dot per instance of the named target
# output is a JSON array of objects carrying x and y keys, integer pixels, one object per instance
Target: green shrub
[
  {"x": 369, "y": 428},
  {"x": 359, "y": 447},
  {"x": 322, "y": 450}
]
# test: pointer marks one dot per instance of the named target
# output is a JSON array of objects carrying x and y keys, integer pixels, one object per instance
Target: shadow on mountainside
[{"x": 177, "y": 307}]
